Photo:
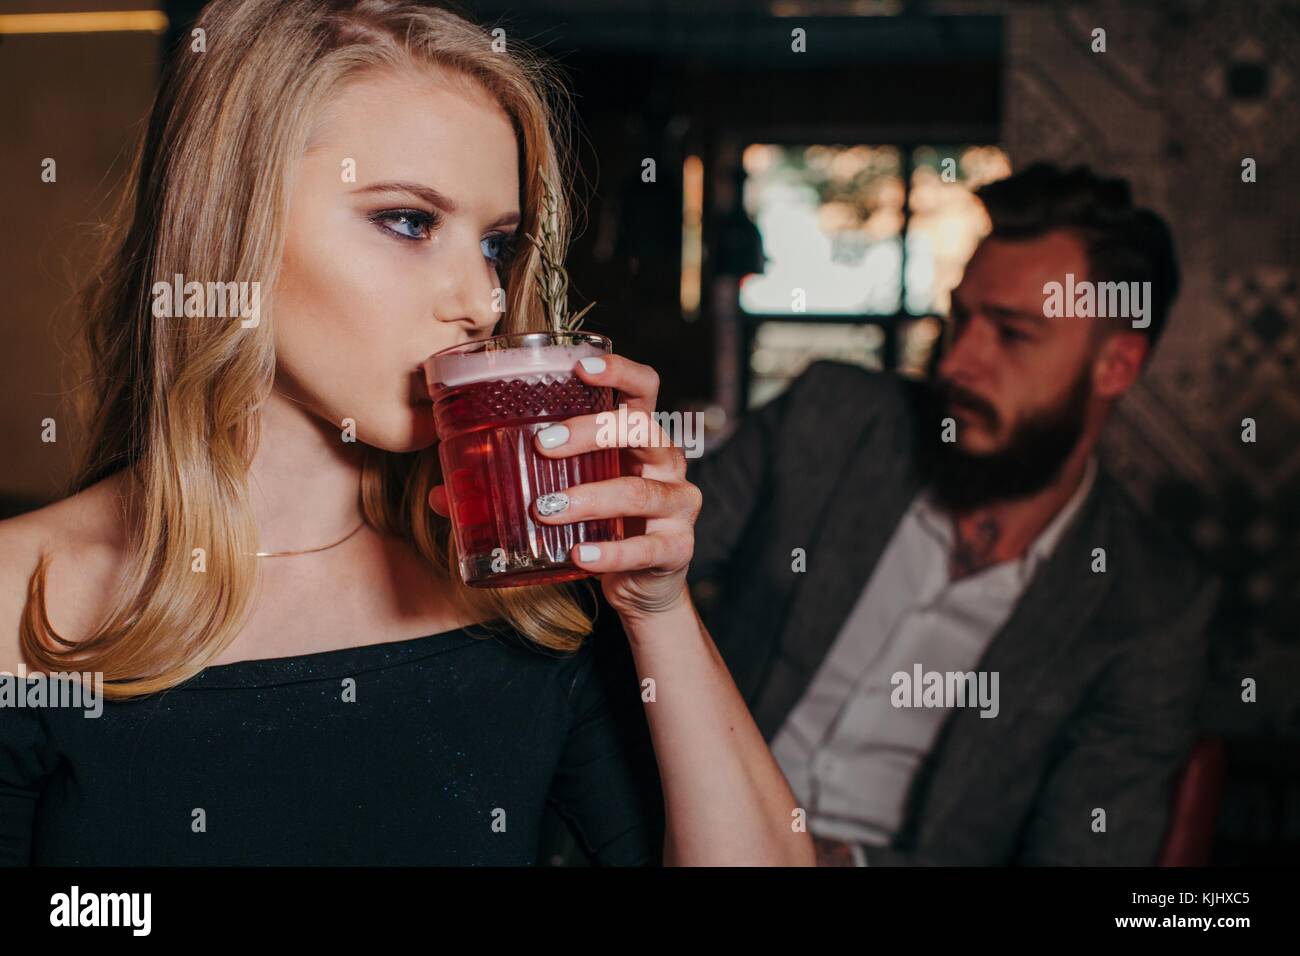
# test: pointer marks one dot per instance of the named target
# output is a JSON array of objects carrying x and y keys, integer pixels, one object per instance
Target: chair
[{"x": 1198, "y": 791}]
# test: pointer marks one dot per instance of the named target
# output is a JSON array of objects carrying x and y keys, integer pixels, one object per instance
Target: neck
[
  {"x": 1003, "y": 530},
  {"x": 304, "y": 481}
]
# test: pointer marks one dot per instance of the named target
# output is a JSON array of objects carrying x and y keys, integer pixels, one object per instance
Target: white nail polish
[
  {"x": 553, "y": 503},
  {"x": 553, "y": 436},
  {"x": 593, "y": 364},
  {"x": 588, "y": 552}
]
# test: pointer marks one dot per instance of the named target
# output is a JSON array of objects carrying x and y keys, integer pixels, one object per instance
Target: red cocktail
[{"x": 489, "y": 398}]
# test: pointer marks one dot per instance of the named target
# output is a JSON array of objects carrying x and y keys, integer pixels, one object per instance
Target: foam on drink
[{"x": 463, "y": 368}]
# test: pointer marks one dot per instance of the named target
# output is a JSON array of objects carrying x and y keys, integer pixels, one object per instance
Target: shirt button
[{"x": 827, "y": 767}]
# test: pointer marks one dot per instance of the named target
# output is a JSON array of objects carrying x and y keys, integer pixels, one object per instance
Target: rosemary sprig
[{"x": 553, "y": 280}]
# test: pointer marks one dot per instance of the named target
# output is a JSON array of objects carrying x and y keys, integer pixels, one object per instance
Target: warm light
[
  {"x": 108, "y": 21},
  {"x": 692, "y": 235}
]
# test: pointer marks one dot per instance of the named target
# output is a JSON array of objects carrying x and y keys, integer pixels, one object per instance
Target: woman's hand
[{"x": 645, "y": 573}]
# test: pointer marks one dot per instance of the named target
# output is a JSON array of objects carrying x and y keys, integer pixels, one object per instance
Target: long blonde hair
[{"x": 177, "y": 404}]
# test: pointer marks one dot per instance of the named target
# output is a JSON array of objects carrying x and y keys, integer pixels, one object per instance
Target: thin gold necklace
[{"x": 286, "y": 554}]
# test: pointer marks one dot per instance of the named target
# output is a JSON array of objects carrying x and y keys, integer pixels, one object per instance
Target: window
[{"x": 864, "y": 245}]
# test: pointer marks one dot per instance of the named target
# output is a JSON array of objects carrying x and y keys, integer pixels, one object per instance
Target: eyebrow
[
  {"x": 1001, "y": 313},
  {"x": 434, "y": 198}
]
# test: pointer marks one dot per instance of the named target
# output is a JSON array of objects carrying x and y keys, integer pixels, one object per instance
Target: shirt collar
[
  {"x": 1047, "y": 539},
  {"x": 939, "y": 523}
]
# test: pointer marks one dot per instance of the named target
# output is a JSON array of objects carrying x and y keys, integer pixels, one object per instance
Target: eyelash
[{"x": 431, "y": 221}]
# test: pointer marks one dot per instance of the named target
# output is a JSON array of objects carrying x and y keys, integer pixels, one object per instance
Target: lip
[{"x": 970, "y": 414}]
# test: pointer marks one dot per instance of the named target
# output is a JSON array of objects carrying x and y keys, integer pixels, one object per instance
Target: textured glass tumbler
[{"x": 489, "y": 398}]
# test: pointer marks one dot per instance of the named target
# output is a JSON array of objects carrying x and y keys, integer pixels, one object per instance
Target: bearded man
[{"x": 866, "y": 533}]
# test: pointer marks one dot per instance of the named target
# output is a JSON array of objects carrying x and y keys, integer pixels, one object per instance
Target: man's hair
[{"x": 1124, "y": 243}]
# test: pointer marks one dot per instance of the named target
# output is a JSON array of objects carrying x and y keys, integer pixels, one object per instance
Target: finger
[
  {"x": 623, "y": 427},
  {"x": 628, "y": 496},
  {"x": 660, "y": 550},
  {"x": 638, "y": 384},
  {"x": 438, "y": 500}
]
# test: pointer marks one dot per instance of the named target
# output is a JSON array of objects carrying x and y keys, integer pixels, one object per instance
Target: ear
[{"x": 1118, "y": 363}]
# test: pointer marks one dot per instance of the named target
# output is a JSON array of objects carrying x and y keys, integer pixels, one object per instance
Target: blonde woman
[{"x": 293, "y": 672}]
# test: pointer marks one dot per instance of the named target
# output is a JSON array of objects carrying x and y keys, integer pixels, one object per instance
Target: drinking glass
[{"x": 489, "y": 398}]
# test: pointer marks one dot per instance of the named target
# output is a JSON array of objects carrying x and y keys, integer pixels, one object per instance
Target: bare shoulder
[{"x": 84, "y": 536}]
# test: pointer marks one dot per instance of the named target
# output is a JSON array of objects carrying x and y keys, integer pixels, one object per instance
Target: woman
[{"x": 251, "y": 555}]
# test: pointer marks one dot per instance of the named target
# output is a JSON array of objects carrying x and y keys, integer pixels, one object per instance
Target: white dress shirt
[{"x": 848, "y": 752}]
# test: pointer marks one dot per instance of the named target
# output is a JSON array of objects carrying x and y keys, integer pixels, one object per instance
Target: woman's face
[{"x": 376, "y": 276}]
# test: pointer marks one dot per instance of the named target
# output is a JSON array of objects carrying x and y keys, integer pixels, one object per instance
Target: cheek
[
  {"x": 1049, "y": 381},
  {"x": 340, "y": 345},
  {"x": 339, "y": 296}
]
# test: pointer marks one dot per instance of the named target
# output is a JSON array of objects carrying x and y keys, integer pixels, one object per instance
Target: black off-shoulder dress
[{"x": 439, "y": 750}]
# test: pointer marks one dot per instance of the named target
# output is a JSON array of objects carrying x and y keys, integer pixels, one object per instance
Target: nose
[
  {"x": 968, "y": 355},
  {"x": 465, "y": 292}
]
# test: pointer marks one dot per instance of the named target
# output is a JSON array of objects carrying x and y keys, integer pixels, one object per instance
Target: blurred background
[{"x": 828, "y": 165}]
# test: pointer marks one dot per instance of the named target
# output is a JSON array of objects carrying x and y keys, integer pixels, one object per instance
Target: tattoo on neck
[{"x": 973, "y": 551}]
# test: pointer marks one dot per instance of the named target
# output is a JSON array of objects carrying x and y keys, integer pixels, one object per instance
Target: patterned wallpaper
[{"x": 1183, "y": 93}]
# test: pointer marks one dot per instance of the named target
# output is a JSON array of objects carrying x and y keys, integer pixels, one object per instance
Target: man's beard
[{"x": 1032, "y": 459}]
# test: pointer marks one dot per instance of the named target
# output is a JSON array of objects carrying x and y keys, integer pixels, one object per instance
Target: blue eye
[
  {"x": 504, "y": 249},
  {"x": 411, "y": 217}
]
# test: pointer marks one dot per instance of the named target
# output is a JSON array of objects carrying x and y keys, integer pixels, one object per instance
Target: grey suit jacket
[{"x": 1099, "y": 672}]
